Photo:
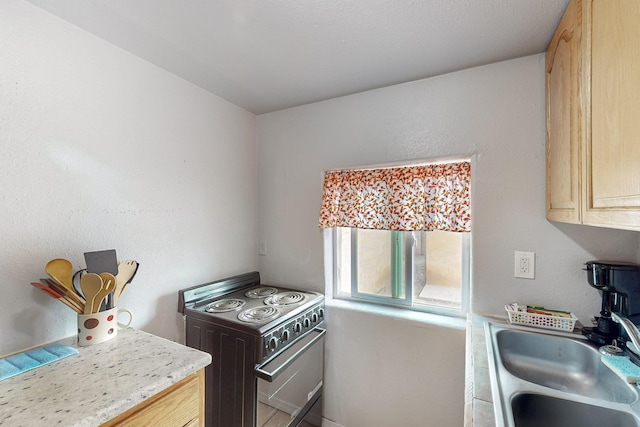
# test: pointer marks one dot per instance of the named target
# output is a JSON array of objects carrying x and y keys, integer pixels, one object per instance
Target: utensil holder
[{"x": 99, "y": 327}]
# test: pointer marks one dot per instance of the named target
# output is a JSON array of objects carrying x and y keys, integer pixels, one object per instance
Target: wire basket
[{"x": 541, "y": 320}]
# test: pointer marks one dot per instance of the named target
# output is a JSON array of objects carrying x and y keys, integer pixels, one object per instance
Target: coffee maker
[{"x": 619, "y": 283}]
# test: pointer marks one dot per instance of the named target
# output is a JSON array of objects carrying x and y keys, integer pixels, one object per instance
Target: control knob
[{"x": 273, "y": 343}]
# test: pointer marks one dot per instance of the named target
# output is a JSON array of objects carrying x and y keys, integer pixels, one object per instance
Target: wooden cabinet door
[
  {"x": 612, "y": 140},
  {"x": 182, "y": 404},
  {"x": 563, "y": 118}
]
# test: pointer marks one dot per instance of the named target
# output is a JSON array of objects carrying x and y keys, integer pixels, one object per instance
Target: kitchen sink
[
  {"x": 562, "y": 364},
  {"x": 537, "y": 410},
  {"x": 551, "y": 378}
]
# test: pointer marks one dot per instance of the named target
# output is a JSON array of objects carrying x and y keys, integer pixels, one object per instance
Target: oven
[
  {"x": 290, "y": 384},
  {"x": 267, "y": 348}
]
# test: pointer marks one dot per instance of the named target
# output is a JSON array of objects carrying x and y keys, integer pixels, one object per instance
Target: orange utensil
[{"x": 69, "y": 303}]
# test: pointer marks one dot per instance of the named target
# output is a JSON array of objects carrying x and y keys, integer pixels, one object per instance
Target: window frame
[{"x": 408, "y": 302}]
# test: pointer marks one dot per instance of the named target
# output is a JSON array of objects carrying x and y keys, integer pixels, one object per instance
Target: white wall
[
  {"x": 495, "y": 113},
  {"x": 102, "y": 150}
]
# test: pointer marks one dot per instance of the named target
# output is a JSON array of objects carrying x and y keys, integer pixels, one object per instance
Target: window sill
[{"x": 416, "y": 317}]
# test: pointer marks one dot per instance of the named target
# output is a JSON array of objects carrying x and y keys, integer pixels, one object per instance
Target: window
[
  {"x": 401, "y": 235},
  {"x": 421, "y": 270}
]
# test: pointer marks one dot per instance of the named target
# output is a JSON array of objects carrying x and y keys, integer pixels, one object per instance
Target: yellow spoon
[
  {"x": 91, "y": 285},
  {"x": 61, "y": 270}
]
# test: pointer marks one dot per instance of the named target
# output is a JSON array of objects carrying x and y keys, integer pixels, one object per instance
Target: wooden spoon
[
  {"x": 61, "y": 271},
  {"x": 91, "y": 285}
]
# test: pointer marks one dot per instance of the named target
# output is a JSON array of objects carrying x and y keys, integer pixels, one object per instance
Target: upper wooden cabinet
[
  {"x": 612, "y": 119},
  {"x": 563, "y": 118},
  {"x": 593, "y": 115}
]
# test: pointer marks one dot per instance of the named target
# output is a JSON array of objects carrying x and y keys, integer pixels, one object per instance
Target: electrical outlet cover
[{"x": 524, "y": 267}]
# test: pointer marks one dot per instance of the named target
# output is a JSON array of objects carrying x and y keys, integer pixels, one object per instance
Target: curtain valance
[{"x": 430, "y": 197}]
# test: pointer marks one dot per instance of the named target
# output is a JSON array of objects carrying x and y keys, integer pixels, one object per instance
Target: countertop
[
  {"x": 478, "y": 400},
  {"x": 99, "y": 383}
]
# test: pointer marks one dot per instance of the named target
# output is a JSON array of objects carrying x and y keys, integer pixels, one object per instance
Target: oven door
[{"x": 290, "y": 385}]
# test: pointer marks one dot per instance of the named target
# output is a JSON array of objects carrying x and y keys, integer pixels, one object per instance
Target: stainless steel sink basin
[
  {"x": 561, "y": 364},
  {"x": 537, "y": 410},
  {"x": 552, "y": 378}
]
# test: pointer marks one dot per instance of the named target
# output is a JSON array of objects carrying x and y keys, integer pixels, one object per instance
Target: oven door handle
[{"x": 272, "y": 374}]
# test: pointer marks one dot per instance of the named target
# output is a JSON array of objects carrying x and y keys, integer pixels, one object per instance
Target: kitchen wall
[
  {"x": 102, "y": 150},
  {"x": 388, "y": 371}
]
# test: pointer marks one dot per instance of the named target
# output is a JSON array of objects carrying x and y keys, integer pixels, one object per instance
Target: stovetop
[
  {"x": 258, "y": 305},
  {"x": 243, "y": 302}
]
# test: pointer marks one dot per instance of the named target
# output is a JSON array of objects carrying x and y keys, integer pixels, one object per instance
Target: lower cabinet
[
  {"x": 230, "y": 383},
  {"x": 182, "y": 404}
]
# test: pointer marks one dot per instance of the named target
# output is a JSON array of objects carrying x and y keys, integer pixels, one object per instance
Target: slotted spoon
[{"x": 108, "y": 286}]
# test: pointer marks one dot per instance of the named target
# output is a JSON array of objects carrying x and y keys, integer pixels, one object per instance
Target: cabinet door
[
  {"x": 563, "y": 120},
  {"x": 612, "y": 143},
  {"x": 181, "y": 404},
  {"x": 230, "y": 387}
]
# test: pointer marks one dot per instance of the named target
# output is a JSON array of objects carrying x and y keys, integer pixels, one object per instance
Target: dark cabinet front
[{"x": 229, "y": 379}]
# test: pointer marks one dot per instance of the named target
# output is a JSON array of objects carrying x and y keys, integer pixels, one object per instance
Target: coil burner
[
  {"x": 224, "y": 305},
  {"x": 259, "y": 314},
  {"x": 261, "y": 292},
  {"x": 284, "y": 299}
]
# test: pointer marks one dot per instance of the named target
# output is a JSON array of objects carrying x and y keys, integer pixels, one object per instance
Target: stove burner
[
  {"x": 259, "y": 314},
  {"x": 284, "y": 299},
  {"x": 261, "y": 292},
  {"x": 224, "y": 305}
]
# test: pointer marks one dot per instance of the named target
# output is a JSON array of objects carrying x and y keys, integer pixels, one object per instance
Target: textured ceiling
[{"x": 267, "y": 55}]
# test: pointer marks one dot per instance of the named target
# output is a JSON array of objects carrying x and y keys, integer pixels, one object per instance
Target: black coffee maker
[{"x": 619, "y": 283}]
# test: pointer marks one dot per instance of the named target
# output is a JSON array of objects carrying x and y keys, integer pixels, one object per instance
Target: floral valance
[{"x": 430, "y": 197}]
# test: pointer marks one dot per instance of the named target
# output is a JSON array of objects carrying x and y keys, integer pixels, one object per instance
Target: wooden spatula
[{"x": 126, "y": 270}]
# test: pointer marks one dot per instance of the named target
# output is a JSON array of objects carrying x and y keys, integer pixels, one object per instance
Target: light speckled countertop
[
  {"x": 99, "y": 383},
  {"x": 478, "y": 400}
]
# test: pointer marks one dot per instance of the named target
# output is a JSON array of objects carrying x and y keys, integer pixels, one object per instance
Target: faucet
[{"x": 631, "y": 330}]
